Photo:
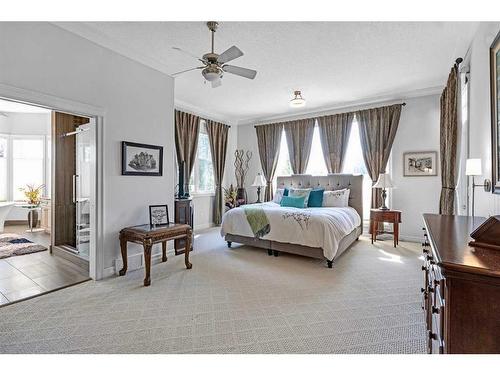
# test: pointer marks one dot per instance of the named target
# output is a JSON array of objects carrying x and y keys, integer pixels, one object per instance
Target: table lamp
[
  {"x": 259, "y": 182},
  {"x": 384, "y": 182},
  {"x": 473, "y": 168}
]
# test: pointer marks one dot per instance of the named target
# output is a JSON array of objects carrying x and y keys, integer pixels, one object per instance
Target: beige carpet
[{"x": 236, "y": 300}]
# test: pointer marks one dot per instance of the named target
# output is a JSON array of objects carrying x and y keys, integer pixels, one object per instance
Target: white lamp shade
[
  {"x": 473, "y": 167},
  {"x": 384, "y": 181},
  {"x": 259, "y": 181}
]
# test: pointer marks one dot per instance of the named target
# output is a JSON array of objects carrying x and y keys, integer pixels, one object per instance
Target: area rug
[{"x": 13, "y": 244}]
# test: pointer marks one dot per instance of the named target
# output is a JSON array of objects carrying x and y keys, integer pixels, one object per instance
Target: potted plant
[
  {"x": 33, "y": 195},
  {"x": 230, "y": 197}
]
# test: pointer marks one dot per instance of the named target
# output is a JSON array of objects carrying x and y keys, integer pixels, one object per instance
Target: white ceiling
[{"x": 333, "y": 63}]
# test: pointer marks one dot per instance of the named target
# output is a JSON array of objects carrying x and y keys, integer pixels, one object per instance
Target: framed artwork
[
  {"x": 141, "y": 160},
  {"x": 420, "y": 163},
  {"x": 158, "y": 215},
  {"x": 495, "y": 113}
]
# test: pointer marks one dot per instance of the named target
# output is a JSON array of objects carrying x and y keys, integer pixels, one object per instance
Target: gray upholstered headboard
[{"x": 334, "y": 181}]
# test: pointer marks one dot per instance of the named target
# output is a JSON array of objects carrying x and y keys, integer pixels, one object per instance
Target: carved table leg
[
  {"x": 189, "y": 239},
  {"x": 148, "y": 244},
  {"x": 123, "y": 248},
  {"x": 396, "y": 234},
  {"x": 164, "y": 251}
]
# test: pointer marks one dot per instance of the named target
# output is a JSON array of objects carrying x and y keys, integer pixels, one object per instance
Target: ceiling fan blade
[
  {"x": 230, "y": 54},
  {"x": 239, "y": 71},
  {"x": 216, "y": 83},
  {"x": 185, "y": 71},
  {"x": 188, "y": 53}
]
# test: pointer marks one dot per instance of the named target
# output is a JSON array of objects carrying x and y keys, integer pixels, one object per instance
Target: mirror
[{"x": 495, "y": 112}]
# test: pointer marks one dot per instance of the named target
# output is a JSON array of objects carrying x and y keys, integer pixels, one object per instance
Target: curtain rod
[
  {"x": 315, "y": 117},
  {"x": 202, "y": 117}
]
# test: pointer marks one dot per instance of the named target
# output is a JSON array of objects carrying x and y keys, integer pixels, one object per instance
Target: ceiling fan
[{"x": 214, "y": 65}]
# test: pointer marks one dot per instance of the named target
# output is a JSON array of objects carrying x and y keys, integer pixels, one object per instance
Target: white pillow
[
  {"x": 278, "y": 196},
  {"x": 336, "y": 198},
  {"x": 300, "y": 193}
]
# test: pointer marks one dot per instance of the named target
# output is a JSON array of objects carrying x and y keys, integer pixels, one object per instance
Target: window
[
  {"x": 355, "y": 164},
  {"x": 316, "y": 165},
  {"x": 4, "y": 187},
  {"x": 202, "y": 179},
  {"x": 283, "y": 168},
  {"x": 28, "y": 164}
]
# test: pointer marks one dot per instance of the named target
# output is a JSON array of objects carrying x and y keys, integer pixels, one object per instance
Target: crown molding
[
  {"x": 184, "y": 106},
  {"x": 89, "y": 33},
  {"x": 354, "y": 105}
]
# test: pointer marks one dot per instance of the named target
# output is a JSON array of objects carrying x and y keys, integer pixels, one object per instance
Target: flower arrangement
[{"x": 32, "y": 193}]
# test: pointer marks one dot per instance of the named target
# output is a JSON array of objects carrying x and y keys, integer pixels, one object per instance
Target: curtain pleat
[
  {"x": 448, "y": 139},
  {"x": 217, "y": 135},
  {"x": 268, "y": 140},
  {"x": 377, "y": 129},
  {"x": 299, "y": 135},
  {"x": 334, "y": 131},
  {"x": 187, "y": 127}
]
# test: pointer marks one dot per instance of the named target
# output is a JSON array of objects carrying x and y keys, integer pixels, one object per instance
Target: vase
[
  {"x": 33, "y": 218},
  {"x": 241, "y": 196}
]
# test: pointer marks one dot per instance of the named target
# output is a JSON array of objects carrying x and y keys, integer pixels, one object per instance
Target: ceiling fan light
[
  {"x": 211, "y": 73},
  {"x": 298, "y": 100}
]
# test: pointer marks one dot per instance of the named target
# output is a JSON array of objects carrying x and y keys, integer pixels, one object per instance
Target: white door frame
[{"x": 96, "y": 255}]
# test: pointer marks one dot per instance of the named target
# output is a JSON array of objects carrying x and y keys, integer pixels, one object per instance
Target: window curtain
[
  {"x": 377, "y": 130},
  {"x": 217, "y": 135},
  {"x": 299, "y": 136},
  {"x": 448, "y": 143},
  {"x": 334, "y": 133},
  {"x": 268, "y": 140},
  {"x": 187, "y": 127}
]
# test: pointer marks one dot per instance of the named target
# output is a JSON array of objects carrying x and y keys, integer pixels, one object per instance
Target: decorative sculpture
[{"x": 241, "y": 166}]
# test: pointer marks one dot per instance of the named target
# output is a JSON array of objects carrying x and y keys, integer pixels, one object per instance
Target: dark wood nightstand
[{"x": 384, "y": 216}]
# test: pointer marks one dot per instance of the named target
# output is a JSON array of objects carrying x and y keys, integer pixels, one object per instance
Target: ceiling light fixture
[{"x": 298, "y": 100}]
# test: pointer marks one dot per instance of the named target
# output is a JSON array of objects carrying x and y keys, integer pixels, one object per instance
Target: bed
[{"x": 322, "y": 233}]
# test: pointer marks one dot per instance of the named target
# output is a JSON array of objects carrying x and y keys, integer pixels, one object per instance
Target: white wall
[
  {"x": 247, "y": 140},
  {"x": 418, "y": 131},
  {"x": 137, "y": 100},
  {"x": 480, "y": 115}
]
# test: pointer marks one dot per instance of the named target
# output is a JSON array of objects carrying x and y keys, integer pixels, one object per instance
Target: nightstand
[{"x": 384, "y": 216}]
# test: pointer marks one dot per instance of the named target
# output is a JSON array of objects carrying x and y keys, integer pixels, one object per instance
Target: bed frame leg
[
  {"x": 229, "y": 243},
  {"x": 276, "y": 253},
  {"x": 269, "y": 252},
  {"x": 329, "y": 263}
]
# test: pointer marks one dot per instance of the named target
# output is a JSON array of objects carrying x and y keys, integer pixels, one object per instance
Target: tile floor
[{"x": 29, "y": 275}]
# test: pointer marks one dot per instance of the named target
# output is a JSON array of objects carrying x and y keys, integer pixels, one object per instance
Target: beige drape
[
  {"x": 448, "y": 143},
  {"x": 377, "y": 129},
  {"x": 217, "y": 135},
  {"x": 268, "y": 140},
  {"x": 334, "y": 131},
  {"x": 187, "y": 128},
  {"x": 299, "y": 135}
]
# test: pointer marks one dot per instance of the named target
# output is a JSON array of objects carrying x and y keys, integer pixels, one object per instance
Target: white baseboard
[
  {"x": 409, "y": 238},
  {"x": 203, "y": 226}
]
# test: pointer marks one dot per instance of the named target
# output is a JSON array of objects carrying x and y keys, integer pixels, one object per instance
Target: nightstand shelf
[{"x": 378, "y": 216}]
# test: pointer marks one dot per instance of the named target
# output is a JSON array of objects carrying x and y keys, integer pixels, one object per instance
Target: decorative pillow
[
  {"x": 316, "y": 198},
  {"x": 336, "y": 198},
  {"x": 278, "y": 195},
  {"x": 300, "y": 193},
  {"x": 285, "y": 193},
  {"x": 297, "y": 202}
]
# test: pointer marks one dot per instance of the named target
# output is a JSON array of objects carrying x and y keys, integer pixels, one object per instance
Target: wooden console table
[
  {"x": 384, "y": 216},
  {"x": 147, "y": 236}
]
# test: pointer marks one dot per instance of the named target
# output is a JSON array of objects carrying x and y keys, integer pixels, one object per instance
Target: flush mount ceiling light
[{"x": 298, "y": 100}]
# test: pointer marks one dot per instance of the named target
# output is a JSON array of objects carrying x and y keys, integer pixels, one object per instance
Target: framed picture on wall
[
  {"x": 141, "y": 160},
  {"x": 420, "y": 163},
  {"x": 495, "y": 113},
  {"x": 158, "y": 214}
]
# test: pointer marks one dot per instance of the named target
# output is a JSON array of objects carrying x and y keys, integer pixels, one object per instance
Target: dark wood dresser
[
  {"x": 184, "y": 214},
  {"x": 461, "y": 292}
]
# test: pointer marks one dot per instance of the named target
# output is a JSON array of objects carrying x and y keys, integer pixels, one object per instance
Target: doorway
[{"x": 60, "y": 225}]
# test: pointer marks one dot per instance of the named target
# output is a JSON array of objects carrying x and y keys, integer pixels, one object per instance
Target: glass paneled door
[{"x": 83, "y": 184}]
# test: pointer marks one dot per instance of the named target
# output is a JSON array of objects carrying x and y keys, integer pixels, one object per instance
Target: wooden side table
[
  {"x": 384, "y": 216},
  {"x": 147, "y": 235}
]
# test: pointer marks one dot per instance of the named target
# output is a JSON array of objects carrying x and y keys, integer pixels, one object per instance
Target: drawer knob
[
  {"x": 422, "y": 290},
  {"x": 424, "y": 268},
  {"x": 436, "y": 282},
  {"x": 435, "y": 310},
  {"x": 432, "y": 335},
  {"x": 431, "y": 289}
]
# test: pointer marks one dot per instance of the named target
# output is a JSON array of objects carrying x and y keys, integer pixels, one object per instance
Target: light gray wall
[
  {"x": 138, "y": 102},
  {"x": 418, "y": 131},
  {"x": 247, "y": 140},
  {"x": 480, "y": 115}
]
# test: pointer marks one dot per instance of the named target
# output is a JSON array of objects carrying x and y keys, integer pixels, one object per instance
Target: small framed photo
[
  {"x": 421, "y": 163},
  {"x": 141, "y": 160},
  {"x": 158, "y": 215}
]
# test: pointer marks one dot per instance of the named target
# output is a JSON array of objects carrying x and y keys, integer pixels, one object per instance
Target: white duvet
[{"x": 315, "y": 227}]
